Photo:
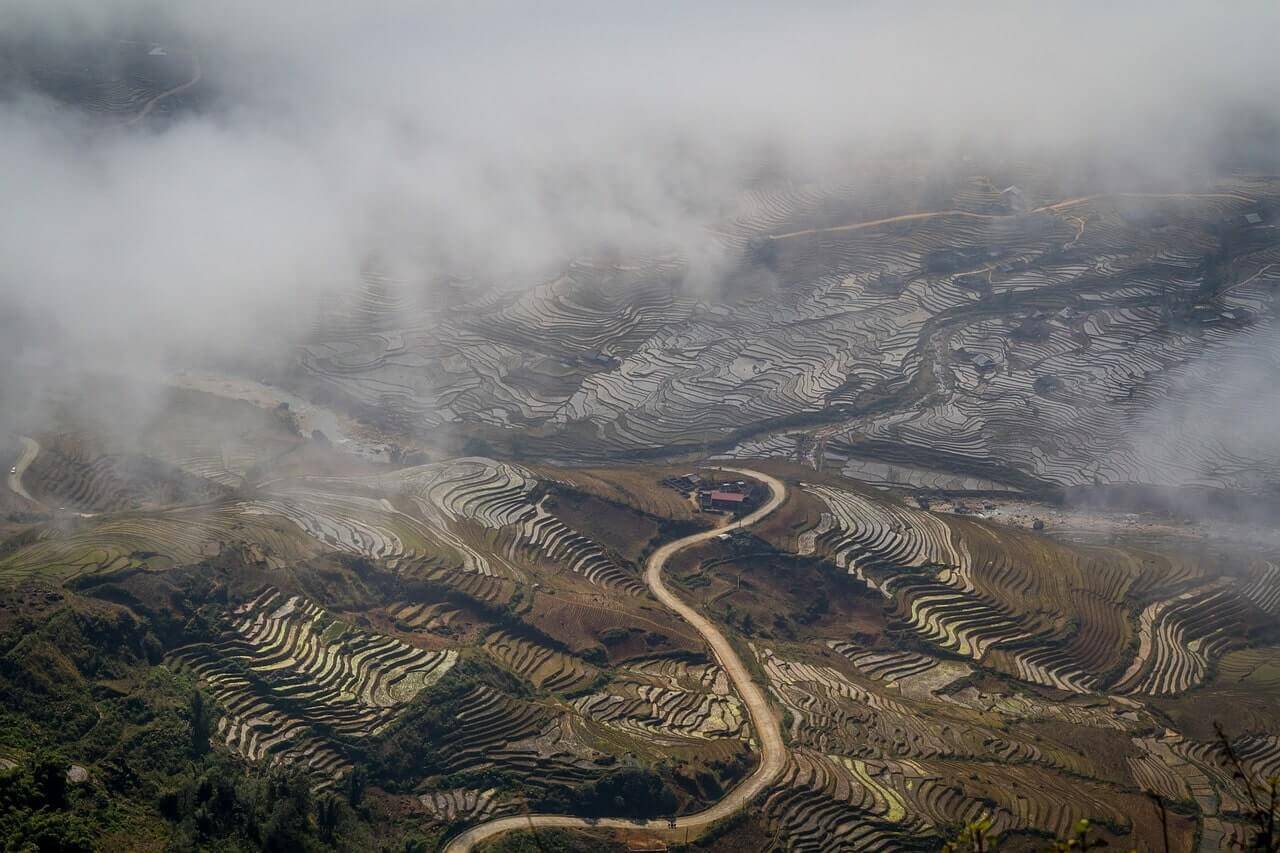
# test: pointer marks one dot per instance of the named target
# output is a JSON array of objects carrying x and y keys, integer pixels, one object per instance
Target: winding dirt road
[
  {"x": 773, "y": 752},
  {"x": 906, "y": 217},
  {"x": 936, "y": 214},
  {"x": 30, "y": 450},
  {"x": 197, "y": 73}
]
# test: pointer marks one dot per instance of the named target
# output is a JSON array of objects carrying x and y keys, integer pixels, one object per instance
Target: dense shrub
[{"x": 627, "y": 792}]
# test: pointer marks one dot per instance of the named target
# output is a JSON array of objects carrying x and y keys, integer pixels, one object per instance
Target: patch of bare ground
[
  {"x": 637, "y": 486},
  {"x": 582, "y": 623}
]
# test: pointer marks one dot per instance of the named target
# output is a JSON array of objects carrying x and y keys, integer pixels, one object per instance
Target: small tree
[
  {"x": 201, "y": 725},
  {"x": 1264, "y": 805},
  {"x": 49, "y": 772},
  {"x": 1078, "y": 840},
  {"x": 327, "y": 813},
  {"x": 976, "y": 837},
  {"x": 356, "y": 781}
]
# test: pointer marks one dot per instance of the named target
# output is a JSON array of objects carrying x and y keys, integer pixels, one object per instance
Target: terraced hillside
[
  {"x": 286, "y": 673},
  {"x": 1026, "y": 679},
  {"x": 984, "y": 592},
  {"x": 666, "y": 704},
  {"x": 70, "y": 471},
  {"x": 415, "y": 565},
  {"x": 155, "y": 541},
  {"x": 1021, "y": 344},
  {"x": 483, "y": 516},
  {"x": 457, "y": 606},
  {"x": 930, "y": 668},
  {"x": 488, "y": 515},
  {"x": 710, "y": 461},
  {"x": 123, "y": 79},
  {"x": 909, "y": 758}
]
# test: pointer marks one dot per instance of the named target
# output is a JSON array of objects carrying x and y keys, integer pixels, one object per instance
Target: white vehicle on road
[{"x": 30, "y": 449}]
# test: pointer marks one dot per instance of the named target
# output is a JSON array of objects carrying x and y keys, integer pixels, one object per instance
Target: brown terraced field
[{"x": 491, "y": 600}]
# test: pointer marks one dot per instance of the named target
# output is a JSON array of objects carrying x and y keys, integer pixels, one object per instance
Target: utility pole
[{"x": 532, "y": 831}]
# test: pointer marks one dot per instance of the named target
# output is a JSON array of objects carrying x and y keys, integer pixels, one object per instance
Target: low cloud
[{"x": 498, "y": 140}]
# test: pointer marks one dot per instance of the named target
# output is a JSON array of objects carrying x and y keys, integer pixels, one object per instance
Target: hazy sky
[{"x": 499, "y": 138}]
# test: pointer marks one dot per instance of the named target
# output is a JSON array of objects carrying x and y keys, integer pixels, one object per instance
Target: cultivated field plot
[
  {"x": 487, "y": 516},
  {"x": 993, "y": 337},
  {"x": 153, "y": 541},
  {"x": 1063, "y": 617},
  {"x": 1021, "y": 336},
  {"x": 71, "y": 472},
  {"x": 476, "y": 515},
  {"x": 1026, "y": 679},
  {"x": 119, "y": 79},
  {"x": 284, "y": 667},
  {"x": 668, "y": 704}
]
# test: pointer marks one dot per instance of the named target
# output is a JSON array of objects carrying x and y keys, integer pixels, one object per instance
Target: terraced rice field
[
  {"x": 827, "y": 802},
  {"x": 524, "y": 738},
  {"x": 121, "y": 79},
  {"x": 1024, "y": 348},
  {"x": 668, "y": 703},
  {"x": 649, "y": 704},
  {"x": 953, "y": 341},
  {"x": 480, "y": 514},
  {"x": 991, "y": 595},
  {"x": 893, "y": 742},
  {"x": 892, "y": 757},
  {"x": 284, "y": 666},
  {"x": 72, "y": 472},
  {"x": 157, "y": 540},
  {"x": 543, "y": 667},
  {"x": 463, "y": 804}
]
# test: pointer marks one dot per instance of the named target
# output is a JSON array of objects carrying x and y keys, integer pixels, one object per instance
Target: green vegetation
[
  {"x": 80, "y": 689},
  {"x": 551, "y": 841},
  {"x": 907, "y": 652},
  {"x": 613, "y": 636},
  {"x": 223, "y": 806},
  {"x": 626, "y": 792},
  {"x": 37, "y": 812},
  {"x": 417, "y": 742}
]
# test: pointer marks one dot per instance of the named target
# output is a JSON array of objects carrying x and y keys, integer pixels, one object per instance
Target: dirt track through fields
[
  {"x": 197, "y": 73},
  {"x": 768, "y": 730},
  {"x": 30, "y": 450},
  {"x": 1071, "y": 202}
]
